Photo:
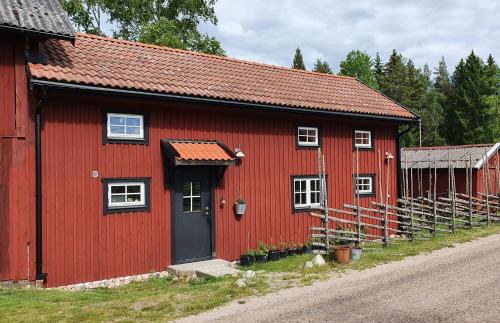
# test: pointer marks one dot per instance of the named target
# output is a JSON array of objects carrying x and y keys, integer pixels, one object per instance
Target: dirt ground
[{"x": 459, "y": 284}]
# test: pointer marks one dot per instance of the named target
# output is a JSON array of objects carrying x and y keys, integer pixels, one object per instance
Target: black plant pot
[
  {"x": 260, "y": 258},
  {"x": 307, "y": 250},
  {"x": 283, "y": 253},
  {"x": 246, "y": 260},
  {"x": 273, "y": 255},
  {"x": 300, "y": 251},
  {"x": 292, "y": 252}
]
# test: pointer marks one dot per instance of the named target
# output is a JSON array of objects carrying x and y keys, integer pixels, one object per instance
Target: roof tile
[{"x": 107, "y": 62}]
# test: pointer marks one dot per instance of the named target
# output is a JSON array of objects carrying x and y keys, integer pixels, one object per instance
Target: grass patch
[{"x": 165, "y": 299}]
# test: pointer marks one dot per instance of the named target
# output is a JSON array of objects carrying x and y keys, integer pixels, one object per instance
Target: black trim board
[
  {"x": 147, "y": 195},
  {"x": 292, "y": 191},
  {"x": 37, "y": 33},
  {"x": 183, "y": 98},
  {"x": 145, "y": 120},
  {"x": 374, "y": 185}
]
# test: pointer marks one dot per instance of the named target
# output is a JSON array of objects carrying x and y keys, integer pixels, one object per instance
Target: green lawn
[{"x": 165, "y": 299}]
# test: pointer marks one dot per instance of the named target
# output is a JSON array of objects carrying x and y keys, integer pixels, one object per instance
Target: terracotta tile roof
[
  {"x": 192, "y": 150},
  {"x": 106, "y": 62}
]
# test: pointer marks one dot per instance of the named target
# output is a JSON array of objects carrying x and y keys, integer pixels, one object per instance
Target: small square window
[
  {"x": 125, "y": 126},
  {"x": 306, "y": 192},
  {"x": 363, "y": 139},
  {"x": 191, "y": 197},
  {"x": 363, "y": 184},
  {"x": 126, "y": 195},
  {"x": 308, "y": 137}
]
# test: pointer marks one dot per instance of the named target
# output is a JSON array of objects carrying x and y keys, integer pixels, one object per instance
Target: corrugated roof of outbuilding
[
  {"x": 110, "y": 63},
  {"x": 43, "y": 17},
  {"x": 444, "y": 156}
]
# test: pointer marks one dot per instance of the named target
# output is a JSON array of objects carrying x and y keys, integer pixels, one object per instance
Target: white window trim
[
  {"x": 364, "y": 192},
  {"x": 141, "y": 203},
  {"x": 369, "y": 144},
  {"x": 125, "y": 136},
  {"x": 190, "y": 197},
  {"x": 308, "y": 144},
  {"x": 308, "y": 191}
]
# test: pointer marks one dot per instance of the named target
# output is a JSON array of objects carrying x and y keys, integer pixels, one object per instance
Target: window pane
[
  {"x": 134, "y": 189},
  {"x": 117, "y": 189},
  {"x": 133, "y": 198},
  {"x": 117, "y": 198},
  {"x": 133, "y": 131},
  {"x": 302, "y": 132},
  {"x": 117, "y": 121},
  {"x": 196, "y": 206},
  {"x": 117, "y": 130},
  {"x": 186, "y": 189},
  {"x": 196, "y": 189},
  {"x": 297, "y": 198},
  {"x": 133, "y": 121},
  {"x": 186, "y": 205}
]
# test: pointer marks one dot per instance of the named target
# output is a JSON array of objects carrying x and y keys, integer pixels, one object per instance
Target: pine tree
[
  {"x": 359, "y": 65},
  {"x": 322, "y": 67},
  {"x": 492, "y": 98},
  {"x": 442, "y": 82},
  {"x": 467, "y": 112},
  {"x": 378, "y": 70},
  {"x": 298, "y": 60}
]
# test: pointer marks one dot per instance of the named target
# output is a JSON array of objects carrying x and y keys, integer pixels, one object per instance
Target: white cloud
[{"x": 269, "y": 31}]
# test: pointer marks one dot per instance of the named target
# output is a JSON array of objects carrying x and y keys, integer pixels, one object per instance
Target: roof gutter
[
  {"x": 185, "y": 98},
  {"x": 37, "y": 33}
]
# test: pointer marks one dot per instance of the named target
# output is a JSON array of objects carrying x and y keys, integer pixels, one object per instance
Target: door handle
[{"x": 207, "y": 211}]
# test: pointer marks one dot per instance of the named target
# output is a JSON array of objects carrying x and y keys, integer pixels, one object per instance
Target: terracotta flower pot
[{"x": 342, "y": 254}]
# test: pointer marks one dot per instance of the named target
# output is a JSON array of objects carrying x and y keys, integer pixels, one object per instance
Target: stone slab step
[{"x": 207, "y": 268}]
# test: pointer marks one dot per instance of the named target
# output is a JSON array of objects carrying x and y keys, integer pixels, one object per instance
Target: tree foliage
[
  {"x": 298, "y": 60},
  {"x": 322, "y": 66},
  {"x": 172, "y": 23},
  {"x": 359, "y": 65}
]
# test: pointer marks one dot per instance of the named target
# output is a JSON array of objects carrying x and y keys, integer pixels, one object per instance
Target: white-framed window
[
  {"x": 191, "y": 197},
  {"x": 126, "y": 194},
  {"x": 308, "y": 136},
  {"x": 363, "y": 139},
  {"x": 306, "y": 192},
  {"x": 363, "y": 184},
  {"x": 125, "y": 126}
]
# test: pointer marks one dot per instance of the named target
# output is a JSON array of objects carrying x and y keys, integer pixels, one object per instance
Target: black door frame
[{"x": 212, "y": 184}]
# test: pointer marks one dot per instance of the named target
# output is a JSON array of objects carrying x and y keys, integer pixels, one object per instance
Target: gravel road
[{"x": 460, "y": 284}]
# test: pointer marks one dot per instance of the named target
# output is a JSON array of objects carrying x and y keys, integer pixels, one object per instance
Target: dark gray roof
[
  {"x": 444, "y": 156},
  {"x": 42, "y": 17}
]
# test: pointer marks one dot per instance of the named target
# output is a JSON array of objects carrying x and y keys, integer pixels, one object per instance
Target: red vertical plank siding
[
  {"x": 17, "y": 193},
  {"x": 83, "y": 244}
]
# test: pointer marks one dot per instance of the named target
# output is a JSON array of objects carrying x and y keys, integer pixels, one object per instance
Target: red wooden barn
[
  {"x": 119, "y": 158},
  {"x": 483, "y": 159}
]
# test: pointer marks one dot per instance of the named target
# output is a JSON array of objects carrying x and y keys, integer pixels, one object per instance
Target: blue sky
[{"x": 268, "y": 31}]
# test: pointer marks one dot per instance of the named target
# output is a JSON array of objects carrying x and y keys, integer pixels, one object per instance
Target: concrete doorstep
[{"x": 208, "y": 268}]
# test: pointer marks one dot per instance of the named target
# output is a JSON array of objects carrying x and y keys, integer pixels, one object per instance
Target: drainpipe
[
  {"x": 40, "y": 275},
  {"x": 398, "y": 158}
]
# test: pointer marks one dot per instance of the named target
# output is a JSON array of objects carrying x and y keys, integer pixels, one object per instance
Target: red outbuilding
[
  {"x": 120, "y": 158},
  {"x": 467, "y": 166}
]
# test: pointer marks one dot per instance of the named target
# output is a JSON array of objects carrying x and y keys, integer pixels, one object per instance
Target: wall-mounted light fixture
[{"x": 238, "y": 152}]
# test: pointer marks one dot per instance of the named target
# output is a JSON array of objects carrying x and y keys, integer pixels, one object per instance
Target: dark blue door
[{"x": 191, "y": 216}]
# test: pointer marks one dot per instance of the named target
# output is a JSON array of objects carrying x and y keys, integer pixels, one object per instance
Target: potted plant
[
  {"x": 299, "y": 248},
  {"x": 342, "y": 249},
  {"x": 248, "y": 258},
  {"x": 240, "y": 206},
  {"x": 292, "y": 248},
  {"x": 273, "y": 253},
  {"x": 260, "y": 256},
  {"x": 284, "y": 250},
  {"x": 307, "y": 248}
]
